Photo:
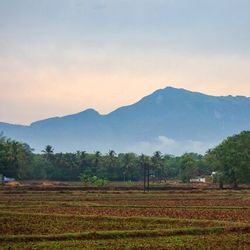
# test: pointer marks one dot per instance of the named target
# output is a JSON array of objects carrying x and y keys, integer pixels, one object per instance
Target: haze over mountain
[{"x": 170, "y": 120}]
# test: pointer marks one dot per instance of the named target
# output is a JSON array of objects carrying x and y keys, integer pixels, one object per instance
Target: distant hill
[{"x": 170, "y": 120}]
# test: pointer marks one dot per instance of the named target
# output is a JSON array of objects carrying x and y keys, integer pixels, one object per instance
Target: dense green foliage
[
  {"x": 18, "y": 161},
  {"x": 230, "y": 160}
]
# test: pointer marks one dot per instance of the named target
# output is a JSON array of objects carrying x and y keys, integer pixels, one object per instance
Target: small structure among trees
[{"x": 198, "y": 179}]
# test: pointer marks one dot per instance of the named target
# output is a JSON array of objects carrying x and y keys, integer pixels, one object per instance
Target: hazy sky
[{"x": 62, "y": 56}]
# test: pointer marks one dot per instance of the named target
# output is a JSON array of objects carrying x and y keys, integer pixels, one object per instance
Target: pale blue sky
[{"x": 62, "y": 56}]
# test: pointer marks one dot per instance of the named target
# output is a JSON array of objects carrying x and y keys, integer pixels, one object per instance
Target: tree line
[{"x": 230, "y": 160}]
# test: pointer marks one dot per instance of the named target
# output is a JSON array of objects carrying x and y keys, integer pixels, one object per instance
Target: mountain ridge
[
  {"x": 169, "y": 119},
  {"x": 96, "y": 111}
]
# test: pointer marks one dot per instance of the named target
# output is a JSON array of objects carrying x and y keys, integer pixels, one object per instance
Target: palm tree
[
  {"x": 96, "y": 163},
  {"x": 48, "y": 149},
  {"x": 111, "y": 163},
  {"x": 128, "y": 163},
  {"x": 157, "y": 161},
  {"x": 82, "y": 160},
  {"x": 145, "y": 162},
  {"x": 48, "y": 152}
]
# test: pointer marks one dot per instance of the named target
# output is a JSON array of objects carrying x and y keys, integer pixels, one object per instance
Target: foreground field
[{"x": 197, "y": 219}]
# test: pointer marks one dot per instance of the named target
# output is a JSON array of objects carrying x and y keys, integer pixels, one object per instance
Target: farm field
[{"x": 171, "y": 219}]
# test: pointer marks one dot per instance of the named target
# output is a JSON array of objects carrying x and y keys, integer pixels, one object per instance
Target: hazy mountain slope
[
  {"x": 182, "y": 114},
  {"x": 172, "y": 120}
]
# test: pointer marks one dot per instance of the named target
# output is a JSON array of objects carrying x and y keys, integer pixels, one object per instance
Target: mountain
[{"x": 170, "y": 120}]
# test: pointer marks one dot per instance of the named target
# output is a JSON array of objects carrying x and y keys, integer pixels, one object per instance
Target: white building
[{"x": 198, "y": 179}]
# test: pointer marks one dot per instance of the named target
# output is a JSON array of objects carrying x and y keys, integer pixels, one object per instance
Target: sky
[{"x": 59, "y": 57}]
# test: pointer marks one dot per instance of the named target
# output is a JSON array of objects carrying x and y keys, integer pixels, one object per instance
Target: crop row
[
  {"x": 131, "y": 202},
  {"x": 31, "y": 224},
  {"x": 196, "y": 239},
  {"x": 241, "y": 215}
]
